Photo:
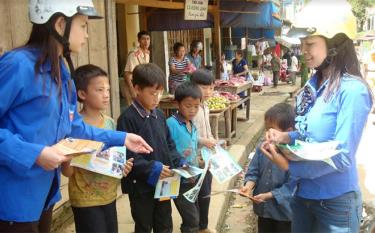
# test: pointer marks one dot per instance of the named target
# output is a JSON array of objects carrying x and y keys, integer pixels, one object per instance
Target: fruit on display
[{"x": 217, "y": 103}]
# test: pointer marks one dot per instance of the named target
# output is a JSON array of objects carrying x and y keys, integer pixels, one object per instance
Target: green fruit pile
[{"x": 217, "y": 102}]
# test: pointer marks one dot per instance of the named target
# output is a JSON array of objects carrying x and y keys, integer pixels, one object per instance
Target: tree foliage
[{"x": 359, "y": 10}]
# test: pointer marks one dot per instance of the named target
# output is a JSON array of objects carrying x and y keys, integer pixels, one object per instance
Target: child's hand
[
  {"x": 247, "y": 188},
  {"x": 262, "y": 197},
  {"x": 128, "y": 166},
  {"x": 270, "y": 151},
  {"x": 165, "y": 172},
  {"x": 210, "y": 143}
]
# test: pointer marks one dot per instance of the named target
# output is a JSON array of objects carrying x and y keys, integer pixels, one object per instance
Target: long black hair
[
  {"x": 41, "y": 38},
  {"x": 341, "y": 59}
]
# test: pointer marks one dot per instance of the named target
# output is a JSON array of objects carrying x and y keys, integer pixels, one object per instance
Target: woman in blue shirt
[
  {"x": 38, "y": 108},
  {"x": 333, "y": 105},
  {"x": 239, "y": 65}
]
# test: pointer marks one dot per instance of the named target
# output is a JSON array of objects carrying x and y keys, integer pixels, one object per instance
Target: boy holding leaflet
[
  {"x": 184, "y": 134},
  {"x": 205, "y": 81},
  {"x": 143, "y": 117},
  {"x": 272, "y": 193},
  {"x": 92, "y": 195}
]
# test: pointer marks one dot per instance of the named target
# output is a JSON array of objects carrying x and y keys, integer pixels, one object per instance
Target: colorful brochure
[
  {"x": 168, "y": 187},
  {"x": 222, "y": 165}
]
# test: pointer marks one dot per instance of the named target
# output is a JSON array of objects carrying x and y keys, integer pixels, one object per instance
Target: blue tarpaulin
[
  {"x": 234, "y": 13},
  {"x": 241, "y": 14}
]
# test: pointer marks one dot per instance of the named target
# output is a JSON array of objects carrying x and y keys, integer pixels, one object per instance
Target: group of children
[{"x": 176, "y": 142}]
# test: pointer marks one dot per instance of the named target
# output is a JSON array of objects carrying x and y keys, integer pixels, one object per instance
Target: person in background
[
  {"x": 239, "y": 65},
  {"x": 92, "y": 195},
  {"x": 272, "y": 190},
  {"x": 139, "y": 56},
  {"x": 194, "y": 57},
  {"x": 38, "y": 108},
  {"x": 143, "y": 117},
  {"x": 333, "y": 106},
  {"x": 178, "y": 65},
  {"x": 275, "y": 67},
  {"x": 184, "y": 134},
  {"x": 293, "y": 69},
  {"x": 224, "y": 75}
]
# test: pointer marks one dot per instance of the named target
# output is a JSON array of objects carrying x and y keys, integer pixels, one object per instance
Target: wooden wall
[{"x": 15, "y": 29}]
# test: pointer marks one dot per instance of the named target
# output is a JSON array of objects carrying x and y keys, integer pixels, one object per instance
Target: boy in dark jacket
[{"x": 143, "y": 118}]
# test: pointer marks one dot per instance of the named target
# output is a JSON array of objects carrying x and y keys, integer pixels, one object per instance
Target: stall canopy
[
  {"x": 242, "y": 14},
  {"x": 234, "y": 13}
]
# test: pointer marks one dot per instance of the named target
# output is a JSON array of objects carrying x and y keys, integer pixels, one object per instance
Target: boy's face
[
  {"x": 97, "y": 94},
  {"x": 149, "y": 97},
  {"x": 189, "y": 107},
  {"x": 207, "y": 91},
  {"x": 269, "y": 124}
]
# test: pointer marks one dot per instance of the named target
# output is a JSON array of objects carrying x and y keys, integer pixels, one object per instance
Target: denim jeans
[{"x": 336, "y": 215}]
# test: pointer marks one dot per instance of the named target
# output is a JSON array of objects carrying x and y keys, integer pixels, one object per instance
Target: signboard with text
[{"x": 196, "y": 9}]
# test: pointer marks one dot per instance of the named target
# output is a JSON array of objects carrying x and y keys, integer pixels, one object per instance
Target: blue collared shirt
[
  {"x": 341, "y": 118},
  {"x": 33, "y": 115},
  {"x": 269, "y": 178},
  {"x": 196, "y": 61},
  {"x": 184, "y": 139}
]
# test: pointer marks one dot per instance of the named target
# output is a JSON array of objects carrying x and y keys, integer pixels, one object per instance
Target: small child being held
[
  {"x": 205, "y": 81},
  {"x": 184, "y": 134},
  {"x": 92, "y": 195},
  {"x": 272, "y": 191},
  {"x": 143, "y": 117}
]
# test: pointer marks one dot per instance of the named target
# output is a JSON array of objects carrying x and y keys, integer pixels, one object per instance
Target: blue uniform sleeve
[
  {"x": 253, "y": 171},
  {"x": 82, "y": 130},
  {"x": 354, "y": 107},
  {"x": 283, "y": 194},
  {"x": 13, "y": 146}
]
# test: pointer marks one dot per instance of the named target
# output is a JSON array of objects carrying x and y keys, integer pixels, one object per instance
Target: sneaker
[{"x": 207, "y": 230}]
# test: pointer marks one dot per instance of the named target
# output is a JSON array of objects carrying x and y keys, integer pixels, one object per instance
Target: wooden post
[
  {"x": 217, "y": 38},
  {"x": 110, "y": 12}
]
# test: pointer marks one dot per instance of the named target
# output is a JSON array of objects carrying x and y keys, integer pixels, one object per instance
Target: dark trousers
[
  {"x": 41, "y": 226},
  {"x": 96, "y": 218},
  {"x": 188, "y": 211},
  {"x": 267, "y": 225},
  {"x": 276, "y": 76},
  {"x": 204, "y": 203},
  {"x": 150, "y": 214}
]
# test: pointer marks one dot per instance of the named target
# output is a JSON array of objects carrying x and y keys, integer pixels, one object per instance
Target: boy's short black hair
[
  {"x": 148, "y": 75},
  {"x": 187, "y": 89},
  {"x": 281, "y": 114},
  {"x": 142, "y": 33},
  {"x": 202, "y": 77},
  {"x": 84, "y": 74}
]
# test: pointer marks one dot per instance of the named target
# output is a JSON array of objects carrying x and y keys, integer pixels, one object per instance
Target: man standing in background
[{"x": 139, "y": 56}]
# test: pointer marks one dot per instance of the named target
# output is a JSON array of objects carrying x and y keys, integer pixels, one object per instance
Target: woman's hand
[
  {"x": 50, "y": 158},
  {"x": 269, "y": 150},
  {"x": 136, "y": 144},
  {"x": 276, "y": 136},
  {"x": 128, "y": 166}
]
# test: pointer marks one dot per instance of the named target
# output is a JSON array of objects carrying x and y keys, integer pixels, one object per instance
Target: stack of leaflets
[
  {"x": 302, "y": 151},
  {"x": 88, "y": 155},
  {"x": 169, "y": 187}
]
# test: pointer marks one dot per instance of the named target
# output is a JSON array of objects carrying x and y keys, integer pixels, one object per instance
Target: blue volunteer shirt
[
  {"x": 33, "y": 115},
  {"x": 184, "y": 139},
  {"x": 341, "y": 118}
]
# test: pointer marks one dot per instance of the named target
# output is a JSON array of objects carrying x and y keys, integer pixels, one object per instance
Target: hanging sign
[{"x": 196, "y": 9}]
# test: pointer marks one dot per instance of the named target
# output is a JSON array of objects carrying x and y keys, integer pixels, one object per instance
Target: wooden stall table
[
  {"x": 245, "y": 87},
  {"x": 168, "y": 105}
]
